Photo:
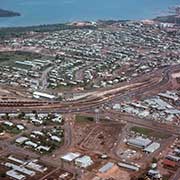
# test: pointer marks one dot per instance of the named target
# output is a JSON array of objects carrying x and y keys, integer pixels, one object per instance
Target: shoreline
[
  {"x": 68, "y": 23},
  {"x": 77, "y": 24},
  {"x": 90, "y": 24}
]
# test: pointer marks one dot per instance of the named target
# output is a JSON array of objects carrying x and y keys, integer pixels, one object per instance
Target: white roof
[
  {"x": 117, "y": 106},
  {"x": 158, "y": 103},
  {"x": 56, "y": 138},
  {"x": 38, "y": 133},
  {"x": 70, "y": 156},
  {"x": 152, "y": 147},
  {"x": 21, "y": 140},
  {"x": 172, "y": 111},
  {"x": 15, "y": 175},
  {"x": 44, "y": 95},
  {"x": 44, "y": 148},
  {"x": 36, "y": 120},
  {"x": 20, "y": 169},
  {"x": 84, "y": 161},
  {"x": 8, "y": 123},
  {"x": 154, "y": 173},
  {"x": 176, "y": 150},
  {"x": 16, "y": 160},
  {"x": 144, "y": 113},
  {"x": 30, "y": 143},
  {"x": 128, "y": 166},
  {"x": 139, "y": 141},
  {"x": 151, "y": 171},
  {"x": 173, "y": 157},
  {"x": 106, "y": 167},
  {"x": 36, "y": 167},
  {"x": 20, "y": 127},
  {"x": 169, "y": 95}
]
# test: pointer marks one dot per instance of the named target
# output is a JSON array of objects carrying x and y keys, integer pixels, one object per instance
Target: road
[
  {"x": 146, "y": 85},
  {"x": 97, "y": 98},
  {"x": 43, "y": 79}
]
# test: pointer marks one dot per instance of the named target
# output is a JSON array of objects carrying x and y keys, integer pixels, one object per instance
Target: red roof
[{"x": 168, "y": 162}]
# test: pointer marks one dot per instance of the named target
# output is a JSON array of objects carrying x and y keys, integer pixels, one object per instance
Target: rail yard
[{"x": 99, "y": 101}]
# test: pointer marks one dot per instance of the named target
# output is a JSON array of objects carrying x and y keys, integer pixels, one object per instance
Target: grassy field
[
  {"x": 81, "y": 119},
  {"x": 149, "y": 132},
  {"x": 9, "y": 58}
]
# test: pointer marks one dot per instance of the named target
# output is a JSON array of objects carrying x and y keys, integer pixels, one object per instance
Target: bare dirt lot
[
  {"x": 97, "y": 137},
  {"x": 102, "y": 138},
  {"x": 59, "y": 174}
]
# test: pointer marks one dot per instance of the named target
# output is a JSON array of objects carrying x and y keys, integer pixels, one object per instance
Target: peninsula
[{"x": 6, "y": 13}]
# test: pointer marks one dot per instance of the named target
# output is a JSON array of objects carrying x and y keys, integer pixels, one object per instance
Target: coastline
[
  {"x": 35, "y": 13},
  {"x": 6, "y": 32},
  {"x": 39, "y": 27}
]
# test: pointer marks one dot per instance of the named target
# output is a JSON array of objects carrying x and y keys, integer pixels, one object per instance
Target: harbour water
[{"x": 35, "y": 12}]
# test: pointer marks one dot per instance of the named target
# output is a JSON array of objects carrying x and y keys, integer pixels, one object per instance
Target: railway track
[{"x": 96, "y": 99}]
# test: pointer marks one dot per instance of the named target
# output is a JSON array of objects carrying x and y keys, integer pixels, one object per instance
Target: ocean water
[{"x": 35, "y": 12}]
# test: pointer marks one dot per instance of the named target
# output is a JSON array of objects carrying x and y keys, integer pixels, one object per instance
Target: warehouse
[
  {"x": 36, "y": 167},
  {"x": 15, "y": 175},
  {"x": 20, "y": 169},
  {"x": 84, "y": 161},
  {"x": 152, "y": 147},
  {"x": 38, "y": 95},
  {"x": 106, "y": 167},
  {"x": 139, "y": 142},
  {"x": 16, "y": 160},
  {"x": 128, "y": 166},
  {"x": 69, "y": 157}
]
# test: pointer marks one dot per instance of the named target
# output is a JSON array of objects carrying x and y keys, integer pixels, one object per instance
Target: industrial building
[
  {"x": 139, "y": 142},
  {"x": 128, "y": 166},
  {"x": 15, "y": 175},
  {"x": 84, "y": 161},
  {"x": 20, "y": 169},
  {"x": 106, "y": 167},
  {"x": 38, "y": 95},
  {"x": 69, "y": 157},
  {"x": 36, "y": 167},
  {"x": 152, "y": 147}
]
